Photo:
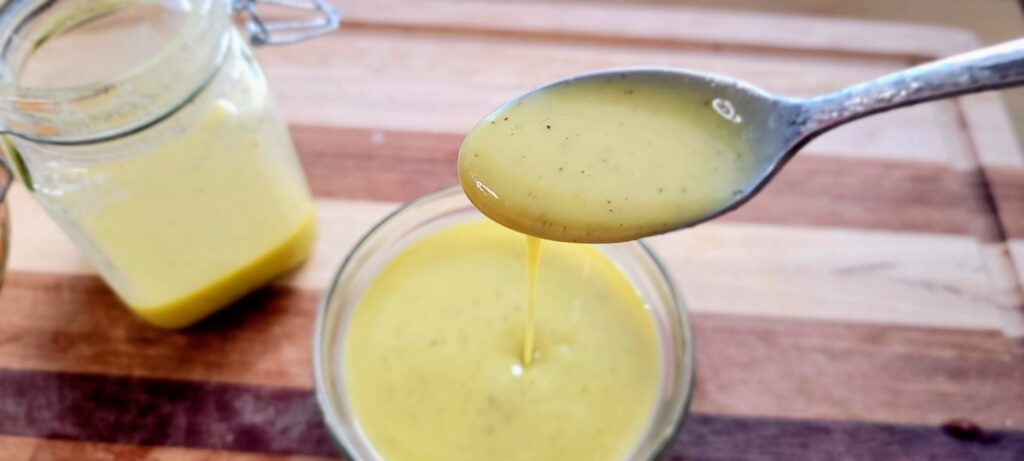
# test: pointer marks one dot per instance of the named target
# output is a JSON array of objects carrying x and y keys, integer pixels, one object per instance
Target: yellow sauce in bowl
[{"x": 433, "y": 366}]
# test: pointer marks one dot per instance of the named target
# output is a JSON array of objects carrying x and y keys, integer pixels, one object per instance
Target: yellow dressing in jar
[
  {"x": 201, "y": 209},
  {"x": 199, "y": 222},
  {"x": 606, "y": 159},
  {"x": 433, "y": 365}
]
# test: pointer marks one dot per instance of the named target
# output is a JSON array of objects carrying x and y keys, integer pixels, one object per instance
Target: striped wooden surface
[{"x": 849, "y": 312}]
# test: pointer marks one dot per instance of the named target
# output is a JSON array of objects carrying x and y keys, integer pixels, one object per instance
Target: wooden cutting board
[{"x": 846, "y": 313}]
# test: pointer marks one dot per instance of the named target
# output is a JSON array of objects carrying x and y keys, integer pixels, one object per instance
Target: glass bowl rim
[{"x": 322, "y": 390}]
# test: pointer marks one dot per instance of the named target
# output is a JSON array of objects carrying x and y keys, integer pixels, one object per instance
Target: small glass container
[
  {"x": 5, "y": 221},
  {"x": 448, "y": 207},
  {"x": 147, "y": 131}
]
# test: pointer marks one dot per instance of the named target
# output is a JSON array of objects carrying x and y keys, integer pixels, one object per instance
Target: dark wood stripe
[
  {"x": 1008, "y": 190},
  {"x": 792, "y": 368},
  {"x": 746, "y": 365},
  {"x": 981, "y": 200},
  {"x": 122, "y": 409},
  {"x": 75, "y": 323},
  {"x": 217, "y": 416},
  {"x": 723, "y": 438},
  {"x": 812, "y": 190}
]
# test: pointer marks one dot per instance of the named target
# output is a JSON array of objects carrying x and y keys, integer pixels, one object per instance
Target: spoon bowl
[{"x": 621, "y": 154}]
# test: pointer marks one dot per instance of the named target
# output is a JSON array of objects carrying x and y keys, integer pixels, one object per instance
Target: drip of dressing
[{"x": 532, "y": 258}]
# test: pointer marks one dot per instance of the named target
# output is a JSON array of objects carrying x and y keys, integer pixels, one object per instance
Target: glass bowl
[{"x": 432, "y": 212}]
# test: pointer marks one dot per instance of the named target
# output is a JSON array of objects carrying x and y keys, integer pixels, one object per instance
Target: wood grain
[
  {"x": 259, "y": 419},
  {"x": 825, "y": 370},
  {"x": 408, "y": 80},
  {"x": 39, "y": 449},
  {"x": 790, "y": 271},
  {"x": 833, "y": 191},
  {"x": 846, "y": 313},
  {"x": 703, "y": 437},
  {"x": 718, "y": 438},
  {"x": 746, "y": 365},
  {"x": 1006, "y": 188},
  {"x": 676, "y": 25}
]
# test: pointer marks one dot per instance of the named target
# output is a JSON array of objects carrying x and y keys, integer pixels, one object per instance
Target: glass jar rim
[
  {"x": 677, "y": 377},
  {"x": 90, "y": 112}
]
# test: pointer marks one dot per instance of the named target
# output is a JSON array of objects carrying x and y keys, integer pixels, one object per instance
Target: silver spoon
[
  {"x": 786, "y": 124},
  {"x": 776, "y": 128}
]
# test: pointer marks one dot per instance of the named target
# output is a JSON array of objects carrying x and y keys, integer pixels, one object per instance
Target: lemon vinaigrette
[
  {"x": 148, "y": 133},
  {"x": 198, "y": 222},
  {"x": 434, "y": 364},
  {"x": 532, "y": 263},
  {"x": 169, "y": 167},
  {"x": 605, "y": 160}
]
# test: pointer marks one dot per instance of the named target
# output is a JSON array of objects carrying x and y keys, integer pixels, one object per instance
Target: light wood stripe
[
  {"x": 434, "y": 84},
  {"x": 398, "y": 79},
  {"x": 34, "y": 449},
  {"x": 835, "y": 274},
  {"x": 929, "y": 279},
  {"x": 639, "y": 22}
]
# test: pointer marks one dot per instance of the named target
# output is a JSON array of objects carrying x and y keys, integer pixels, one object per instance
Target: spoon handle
[{"x": 997, "y": 66}]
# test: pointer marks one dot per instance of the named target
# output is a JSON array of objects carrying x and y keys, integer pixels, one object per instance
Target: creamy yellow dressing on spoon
[{"x": 607, "y": 159}]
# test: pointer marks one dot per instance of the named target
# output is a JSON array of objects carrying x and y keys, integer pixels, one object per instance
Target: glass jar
[
  {"x": 146, "y": 130},
  {"x": 433, "y": 212}
]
